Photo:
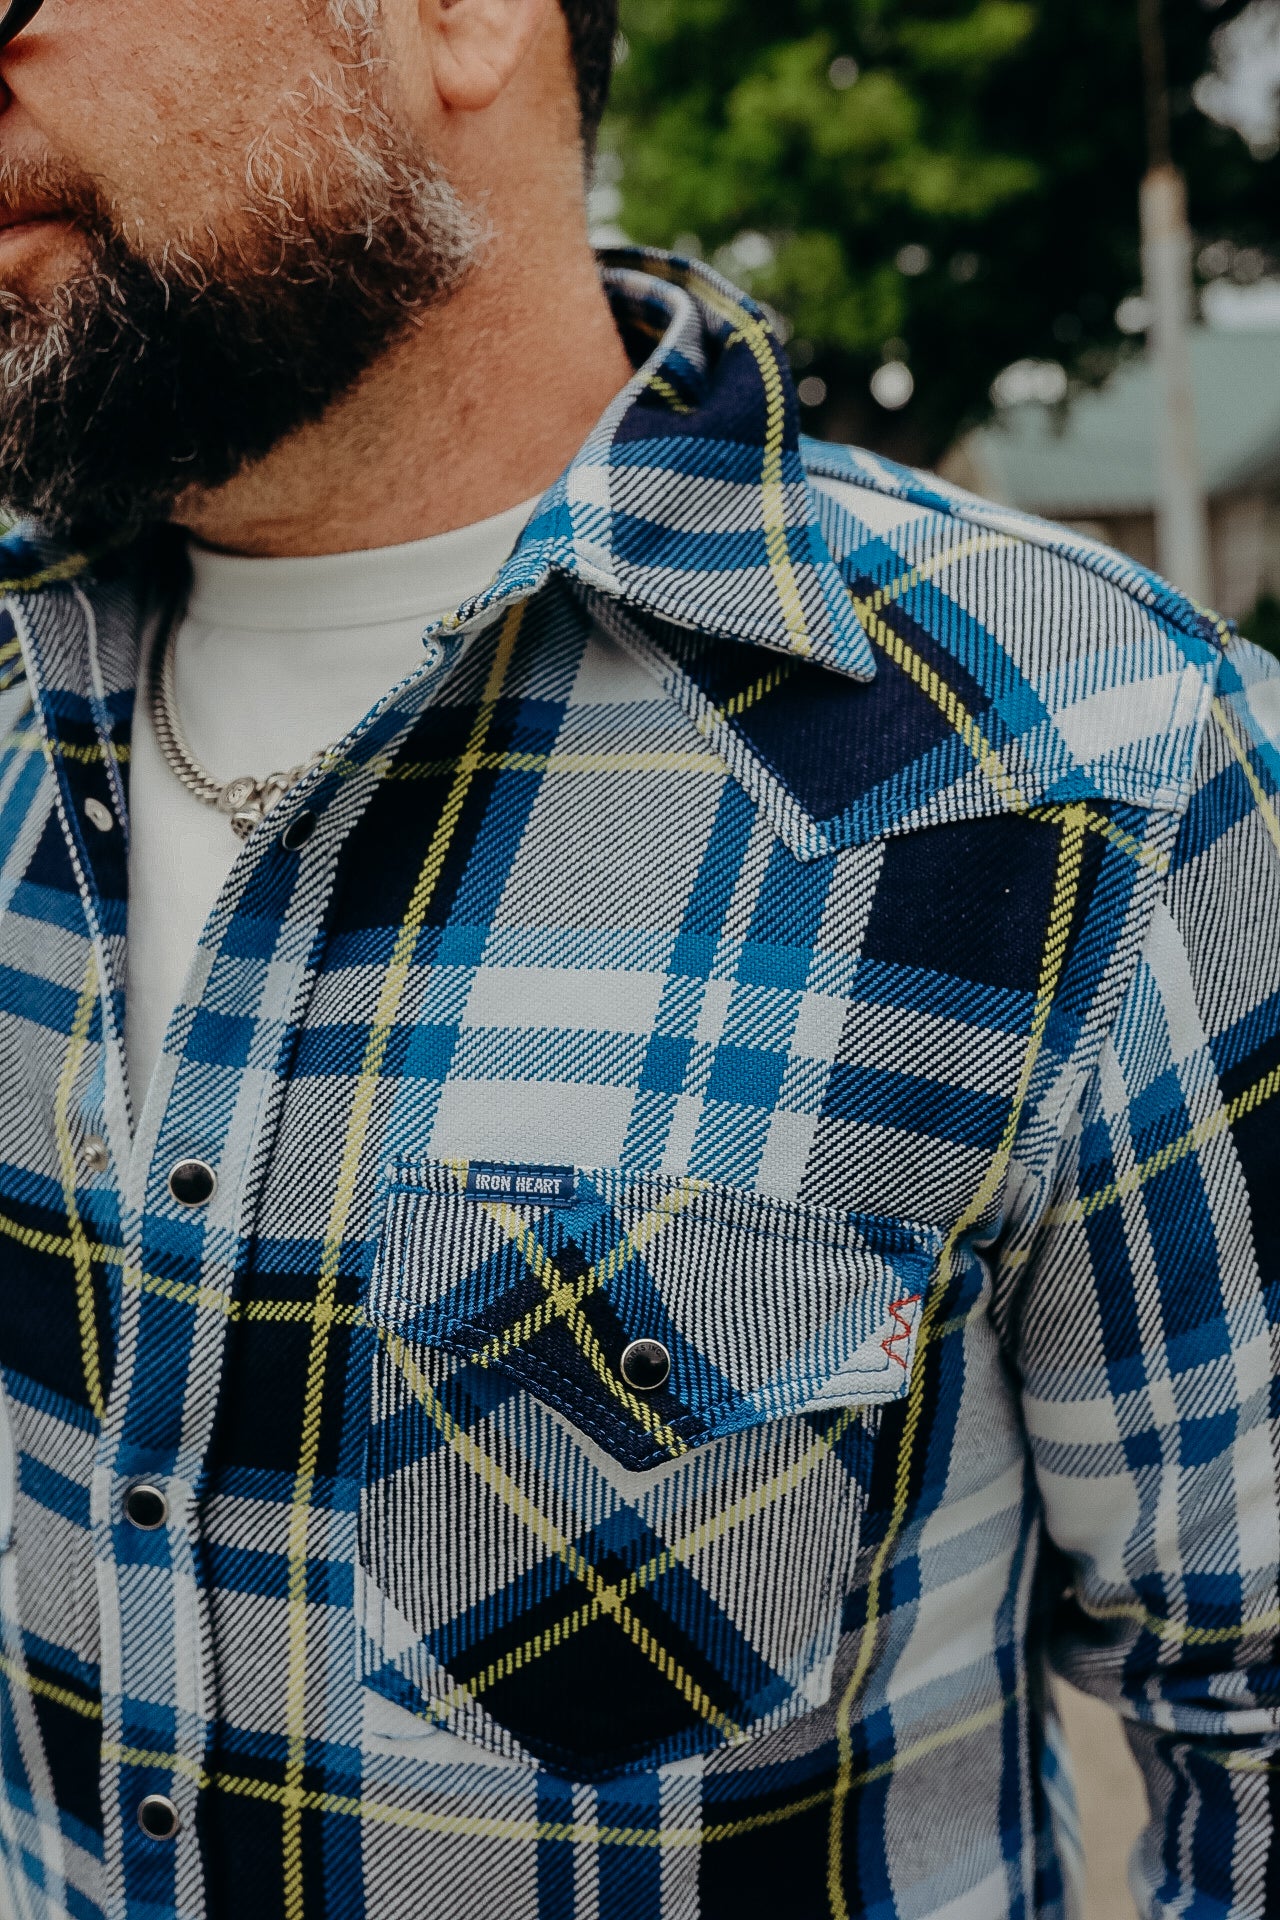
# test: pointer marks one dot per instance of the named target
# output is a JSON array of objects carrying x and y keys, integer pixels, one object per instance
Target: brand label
[{"x": 529, "y": 1186}]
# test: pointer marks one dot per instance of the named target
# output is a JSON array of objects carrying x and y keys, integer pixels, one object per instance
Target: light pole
[{"x": 1182, "y": 524}]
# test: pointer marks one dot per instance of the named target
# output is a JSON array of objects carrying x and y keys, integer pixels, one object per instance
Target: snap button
[
  {"x": 298, "y": 832},
  {"x": 95, "y": 1153},
  {"x": 158, "y": 1817},
  {"x": 99, "y": 816},
  {"x": 146, "y": 1506},
  {"x": 645, "y": 1365},
  {"x": 192, "y": 1183}
]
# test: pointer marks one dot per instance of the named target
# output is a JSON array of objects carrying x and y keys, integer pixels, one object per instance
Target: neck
[{"x": 479, "y": 407}]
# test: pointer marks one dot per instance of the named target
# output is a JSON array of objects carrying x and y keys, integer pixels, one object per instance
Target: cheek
[{"x": 162, "y": 118}]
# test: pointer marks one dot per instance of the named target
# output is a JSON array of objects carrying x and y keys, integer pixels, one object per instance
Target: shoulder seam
[{"x": 1195, "y": 623}]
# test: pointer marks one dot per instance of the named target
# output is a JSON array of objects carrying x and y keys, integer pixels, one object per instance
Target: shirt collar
[{"x": 690, "y": 499}]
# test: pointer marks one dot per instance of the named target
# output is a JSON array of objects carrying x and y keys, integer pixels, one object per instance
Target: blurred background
[
  {"x": 1034, "y": 244},
  {"x": 940, "y": 201}
]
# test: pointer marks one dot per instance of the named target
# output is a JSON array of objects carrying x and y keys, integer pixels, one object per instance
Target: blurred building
[{"x": 1092, "y": 463}]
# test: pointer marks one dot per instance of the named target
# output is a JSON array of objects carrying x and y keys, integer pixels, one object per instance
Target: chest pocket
[{"x": 568, "y": 1552}]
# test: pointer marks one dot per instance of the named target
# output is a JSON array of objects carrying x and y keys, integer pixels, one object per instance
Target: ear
[{"x": 477, "y": 46}]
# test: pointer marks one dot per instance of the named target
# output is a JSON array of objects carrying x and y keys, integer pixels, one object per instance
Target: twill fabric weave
[{"x": 747, "y": 1223}]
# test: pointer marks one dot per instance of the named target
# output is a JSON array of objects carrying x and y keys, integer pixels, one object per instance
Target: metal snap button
[
  {"x": 158, "y": 1817},
  {"x": 192, "y": 1183},
  {"x": 95, "y": 1153},
  {"x": 298, "y": 832},
  {"x": 146, "y": 1506},
  {"x": 99, "y": 816},
  {"x": 645, "y": 1365}
]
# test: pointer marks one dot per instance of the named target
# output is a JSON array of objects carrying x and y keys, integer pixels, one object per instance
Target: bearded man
[{"x": 638, "y": 1147}]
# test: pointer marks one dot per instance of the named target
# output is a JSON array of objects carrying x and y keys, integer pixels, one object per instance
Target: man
[{"x": 616, "y": 1220}]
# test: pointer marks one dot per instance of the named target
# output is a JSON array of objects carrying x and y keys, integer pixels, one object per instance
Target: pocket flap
[{"x": 545, "y": 1276}]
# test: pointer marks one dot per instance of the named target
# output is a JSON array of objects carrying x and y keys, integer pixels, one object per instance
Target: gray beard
[{"x": 141, "y": 377}]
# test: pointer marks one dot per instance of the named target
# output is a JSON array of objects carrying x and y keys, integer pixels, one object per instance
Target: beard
[{"x": 147, "y": 373}]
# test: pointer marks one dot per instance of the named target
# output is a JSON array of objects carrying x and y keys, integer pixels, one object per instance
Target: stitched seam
[{"x": 827, "y": 469}]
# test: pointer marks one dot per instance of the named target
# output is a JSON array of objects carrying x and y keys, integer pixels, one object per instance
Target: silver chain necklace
[{"x": 246, "y": 800}]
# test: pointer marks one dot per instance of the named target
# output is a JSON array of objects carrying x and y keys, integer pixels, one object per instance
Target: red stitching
[{"x": 904, "y": 1327}]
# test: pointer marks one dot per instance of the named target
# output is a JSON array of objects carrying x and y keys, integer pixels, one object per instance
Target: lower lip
[{"x": 22, "y": 232}]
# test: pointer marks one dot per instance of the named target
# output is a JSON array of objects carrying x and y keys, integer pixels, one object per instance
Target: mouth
[
  {"x": 21, "y": 219},
  {"x": 24, "y": 231}
]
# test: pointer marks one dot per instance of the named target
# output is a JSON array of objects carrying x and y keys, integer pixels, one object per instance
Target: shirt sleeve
[{"x": 1143, "y": 1328}]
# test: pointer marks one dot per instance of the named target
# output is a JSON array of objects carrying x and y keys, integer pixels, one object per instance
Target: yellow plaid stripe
[
  {"x": 67, "y": 1697},
  {"x": 564, "y": 1298},
  {"x": 660, "y": 385},
  {"x": 392, "y": 987},
  {"x": 62, "y": 1246},
  {"x": 605, "y": 1597},
  {"x": 759, "y": 690},
  {"x": 524, "y": 1832},
  {"x": 564, "y": 762},
  {"x": 948, "y": 702},
  {"x": 758, "y": 1501},
  {"x": 755, "y": 336},
  {"x": 516, "y": 1830},
  {"x": 1219, "y": 1121},
  {"x": 1066, "y": 888},
  {"x": 91, "y": 754},
  {"x": 53, "y": 575},
  {"x": 1261, "y": 798},
  {"x": 79, "y": 1249}
]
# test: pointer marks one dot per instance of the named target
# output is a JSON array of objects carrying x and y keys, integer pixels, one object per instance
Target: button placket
[
  {"x": 146, "y": 1506},
  {"x": 80, "y": 719},
  {"x": 158, "y": 1817},
  {"x": 168, "y": 1347},
  {"x": 188, "y": 1189},
  {"x": 192, "y": 1175},
  {"x": 95, "y": 1154},
  {"x": 170, "y": 1204},
  {"x": 299, "y": 831},
  {"x": 192, "y": 1183}
]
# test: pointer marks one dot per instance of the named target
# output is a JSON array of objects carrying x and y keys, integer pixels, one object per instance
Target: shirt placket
[
  {"x": 189, "y": 1185},
  {"x": 86, "y": 737}
]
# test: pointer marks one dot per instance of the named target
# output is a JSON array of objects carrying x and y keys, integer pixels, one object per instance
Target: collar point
[{"x": 838, "y": 642}]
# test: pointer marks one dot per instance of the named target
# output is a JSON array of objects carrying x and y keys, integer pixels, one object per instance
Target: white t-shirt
[{"x": 275, "y": 660}]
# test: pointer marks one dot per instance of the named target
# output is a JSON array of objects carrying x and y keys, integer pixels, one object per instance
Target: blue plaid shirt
[{"x": 747, "y": 1220}]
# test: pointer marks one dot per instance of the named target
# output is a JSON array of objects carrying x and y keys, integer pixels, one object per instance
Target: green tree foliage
[
  {"x": 1263, "y": 625},
  {"x": 952, "y": 183}
]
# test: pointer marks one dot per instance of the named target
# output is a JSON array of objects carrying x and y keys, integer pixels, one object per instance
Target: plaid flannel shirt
[{"x": 799, "y": 916}]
